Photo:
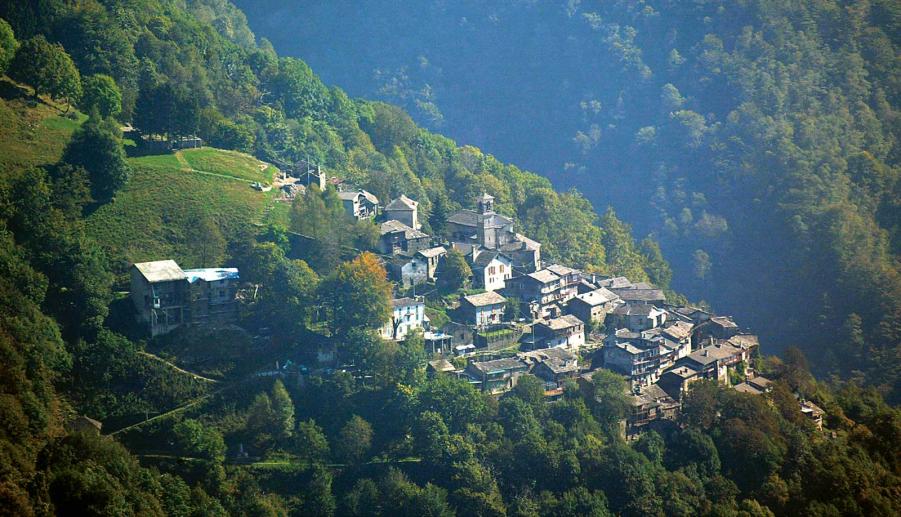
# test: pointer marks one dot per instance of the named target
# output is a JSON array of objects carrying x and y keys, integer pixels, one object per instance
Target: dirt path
[{"x": 176, "y": 367}]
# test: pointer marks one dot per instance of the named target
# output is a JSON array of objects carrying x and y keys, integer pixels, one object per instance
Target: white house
[
  {"x": 407, "y": 314},
  {"x": 490, "y": 270}
]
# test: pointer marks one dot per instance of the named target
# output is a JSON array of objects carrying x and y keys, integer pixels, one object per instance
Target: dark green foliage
[
  {"x": 47, "y": 68},
  {"x": 97, "y": 148},
  {"x": 8, "y": 45},
  {"x": 101, "y": 94},
  {"x": 455, "y": 272}
]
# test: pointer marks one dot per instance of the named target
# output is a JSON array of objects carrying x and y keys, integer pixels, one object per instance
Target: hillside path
[{"x": 176, "y": 367}]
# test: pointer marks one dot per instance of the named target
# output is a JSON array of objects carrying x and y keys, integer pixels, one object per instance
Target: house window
[
  {"x": 221, "y": 293},
  {"x": 491, "y": 270},
  {"x": 502, "y": 268}
]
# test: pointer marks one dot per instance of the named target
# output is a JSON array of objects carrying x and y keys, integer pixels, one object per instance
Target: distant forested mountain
[{"x": 757, "y": 140}]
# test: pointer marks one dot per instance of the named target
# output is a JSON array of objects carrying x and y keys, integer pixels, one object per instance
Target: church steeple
[{"x": 486, "y": 203}]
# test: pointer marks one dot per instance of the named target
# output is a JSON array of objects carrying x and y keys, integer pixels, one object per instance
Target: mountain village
[{"x": 522, "y": 315}]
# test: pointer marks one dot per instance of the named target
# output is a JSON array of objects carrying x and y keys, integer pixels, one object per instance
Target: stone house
[
  {"x": 308, "y": 174},
  {"x": 496, "y": 376},
  {"x": 405, "y": 210},
  {"x": 636, "y": 317},
  {"x": 640, "y": 362},
  {"x": 647, "y": 405},
  {"x": 484, "y": 309},
  {"x": 566, "y": 331},
  {"x": 396, "y": 238},
  {"x": 594, "y": 305},
  {"x": 543, "y": 292},
  {"x": 552, "y": 365},
  {"x": 637, "y": 296},
  {"x": 359, "y": 204}
]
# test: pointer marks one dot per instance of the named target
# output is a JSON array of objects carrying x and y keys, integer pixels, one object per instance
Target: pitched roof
[
  {"x": 640, "y": 295},
  {"x": 543, "y": 354},
  {"x": 711, "y": 354},
  {"x": 393, "y": 226},
  {"x": 402, "y": 203},
  {"x": 486, "y": 257},
  {"x": 472, "y": 218},
  {"x": 562, "y": 323},
  {"x": 618, "y": 282},
  {"x": 679, "y": 330},
  {"x": 744, "y": 340},
  {"x": 724, "y": 321},
  {"x": 560, "y": 270},
  {"x": 442, "y": 365},
  {"x": 744, "y": 387},
  {"x": 405, "y": 302},
  {"x": 160, "y": 271},
  {"x": 557, "y": 365},
  {"x": 498, "y": 365},
  {"x": 650, "y": 395},
  {"x": 635, "y": 309},
  {"x": 484, "y": 299},
  {"x": 433, "y": 252},
  {"x": 353, "y": 194},
  {"x": 760, "y": 382},
  {"x": 544, "y": 276},
  {"x": 597, "y": 297},
  {"x": 485, "y": 197}
]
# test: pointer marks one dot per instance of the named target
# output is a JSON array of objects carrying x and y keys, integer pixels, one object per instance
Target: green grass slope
[
  {"x": 155, "y": 216},
  {"x": 31, "y": 133}
]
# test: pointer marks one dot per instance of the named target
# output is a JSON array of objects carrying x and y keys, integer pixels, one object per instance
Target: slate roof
[
  {"x": 679, "y": 330},
  {"x": 544, "y": 354},
  {"x": 640, "y": 295},
  {"x": 635, "y": 309},
  {"x": 562, "y": 323},
  {"x": 744, "y": 387},
  {"x": 598, "y": 297},
  {"x": 544, "y": 276},
  {"x": 433, "y": 252},
  {"x": 485, "y": 299},
  {"x": 353, "y": 194},
  {"x": 649, "y": 396},
  {"x": 405, "y": 302},
  {"x": 498, "y": 365},
  {"x": 724, "y": 321},
  {"x": 442, "y": 365},
  {"x": 618, "y": 282},
  {"x": 558, "y": 366},
  {"x": 397, "y": 226},
  {"x": 472, "y": 218},
  {"x": 711, "y": 354},
  {"x": 486, "y": 257},
  {"x": 402, "y": 203},
  {"x": 559, "y": 270},
  {"x": 744, "y": 340},
  {"x": 160, "y": 271}
]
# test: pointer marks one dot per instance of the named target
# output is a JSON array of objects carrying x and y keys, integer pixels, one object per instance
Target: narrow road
[{"x": 176, "y": 367}]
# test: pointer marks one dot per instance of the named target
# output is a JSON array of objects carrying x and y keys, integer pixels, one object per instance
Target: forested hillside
[
  {"x": 99, "y": 417},
  {"x": 756, "y": 140}
]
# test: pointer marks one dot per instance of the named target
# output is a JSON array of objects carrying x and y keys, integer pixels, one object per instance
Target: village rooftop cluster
[{"x": 525, "y": 316}]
